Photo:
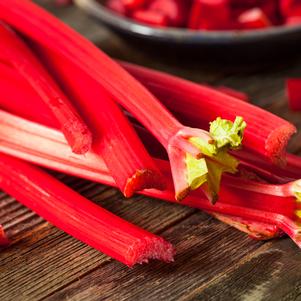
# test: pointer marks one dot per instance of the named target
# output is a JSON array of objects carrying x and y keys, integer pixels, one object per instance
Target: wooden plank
[
  {"x": 204, "y": 246},
  {"x": 271, "y": 273}
]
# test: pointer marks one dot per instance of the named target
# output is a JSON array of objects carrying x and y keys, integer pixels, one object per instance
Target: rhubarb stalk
[
  {"x": 15, "y": 53},
  {"x": 266, "y": 135},
  {"x": 79, "y": 217},
  {"x": 265, "y": 203}
]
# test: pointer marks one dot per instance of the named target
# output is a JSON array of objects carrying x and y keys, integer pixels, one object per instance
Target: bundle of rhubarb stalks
[
  {"x": 67, "y": 106},
  {"x": 210, "y": 15}
]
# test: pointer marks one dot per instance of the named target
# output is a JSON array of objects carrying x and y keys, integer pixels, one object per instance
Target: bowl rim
[{"x": 105, "y": 15}]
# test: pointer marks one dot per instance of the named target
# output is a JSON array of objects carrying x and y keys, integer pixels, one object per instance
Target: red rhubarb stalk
[
  {"x": 15, "y": 53},
  {"x": 234, "y": 93},
  {"x": 270, "y": 204},
  {"x": 79, "y": 217},
  {"x": 65, "y": 44},
  {"x": 266, "y": 134}
]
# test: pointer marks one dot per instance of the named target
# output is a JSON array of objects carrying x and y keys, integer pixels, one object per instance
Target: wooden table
[{"x": 213, "y": 262}]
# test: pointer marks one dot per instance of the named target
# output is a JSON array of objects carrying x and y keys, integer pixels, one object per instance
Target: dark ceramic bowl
[{"x": 252, "y": 43}]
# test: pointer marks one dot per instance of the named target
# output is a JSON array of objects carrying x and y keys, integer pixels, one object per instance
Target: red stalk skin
[
  {"x": 4, "y": 241},
  {"x": 264, "y": 203},
  {"x": 48, "y": 31},
  {"x": 15, "y": 53},
  {"x": 292, "y": 170},
  {"x": 79, "y": 217},
  {"x": 293, "y": 90},
  {"x": 266, "y": 135},
  {"x": 24, "y": 101},
  {"x": 234, "y": 93}
]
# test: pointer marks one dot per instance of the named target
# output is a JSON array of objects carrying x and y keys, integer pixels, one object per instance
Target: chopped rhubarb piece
[
  {"x": 16, "y": 54},
  {"x": 150, "y": 17},
  {"x": 266, "y": 134},
  {"x": 234, "y": 93},
  {"x": 116, "y": 6},
  {"x": 293, "y": 88},
  {"x": 79, "y": 217},
  {"x": 254, "y": 18},
  {"x": 176, "y": 11},
  {"x": 265, "y": 203},
  {"x": 210, "y": 15}
]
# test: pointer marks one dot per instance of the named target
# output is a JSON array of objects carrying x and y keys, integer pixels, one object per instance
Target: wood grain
[
  {"x": 214, "y": 262},
  {"x": 204, "y": 246}
]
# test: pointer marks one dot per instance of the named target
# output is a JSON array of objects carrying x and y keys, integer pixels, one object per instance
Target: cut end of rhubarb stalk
[
  {"x": 199, "y": 158},
  {"x": 144, "y": 179},
  {"x": 156, "y": 248},
  {"x": 4, "y": 241},
  {"x": 78, "y": 136},
  {"x": 277, "y": 142}
]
